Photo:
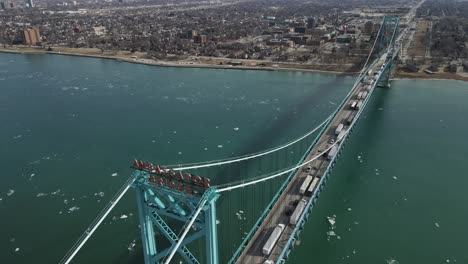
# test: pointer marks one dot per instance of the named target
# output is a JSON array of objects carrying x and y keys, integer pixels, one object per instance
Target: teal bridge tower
[{"x": 169, "y": 194}]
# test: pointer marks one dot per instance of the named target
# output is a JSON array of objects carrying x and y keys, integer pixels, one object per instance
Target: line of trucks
[
  {"x": 311, "y": 182},
  {"x": 308, "y": 186}
]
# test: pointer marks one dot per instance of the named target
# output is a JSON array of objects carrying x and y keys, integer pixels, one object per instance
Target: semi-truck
[
  {"x": 305, "y": 184},
  {"x": 338, "y": 129},
  {"x": 332, "y": 152},
  {"x": 312, "y": 186},
  {"x": 275, "y": 235},
  {"x": 297, "y": 212},
  {"x": 359, "y": 104}
]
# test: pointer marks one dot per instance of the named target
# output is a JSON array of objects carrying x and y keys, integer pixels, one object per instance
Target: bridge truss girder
[{"x": 155, "y": 202}]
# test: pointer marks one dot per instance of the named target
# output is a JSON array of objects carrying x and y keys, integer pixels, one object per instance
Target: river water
[{"x": 70, "y": 127}]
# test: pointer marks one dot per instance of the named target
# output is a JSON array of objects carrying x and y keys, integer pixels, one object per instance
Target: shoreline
[
  {"x": 130, "y": 58},
  {"x": 165, "y": 63},
  {"x": 439, "y": 76}
]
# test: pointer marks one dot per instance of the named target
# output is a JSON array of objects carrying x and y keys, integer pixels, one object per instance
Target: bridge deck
[{"x": 279, "y": 214}]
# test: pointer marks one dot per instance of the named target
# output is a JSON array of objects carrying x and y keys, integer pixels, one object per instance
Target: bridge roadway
[{"x": 285, "y": 205}]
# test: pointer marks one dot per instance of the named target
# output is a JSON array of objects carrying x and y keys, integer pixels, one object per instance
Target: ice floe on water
[
  {"x": 332, "y": 225},
  {"x": 57, "y": 192},
  {"x": 131, "y": 246},
  {"x": 10, "y": 192},
  {"x": 240, "y": 215},
  {"x": 114, "y": 174},
  {"x": 392, "y": 261},
  {"x": 34, "y": 162},
  {"x": 99, "y": 194},
  {"x": 359, "y": 158},
  {"x": 66, "y": 88},
  {"x": 72, "y": 209}
]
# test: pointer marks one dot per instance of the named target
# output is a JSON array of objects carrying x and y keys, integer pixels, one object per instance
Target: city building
[
  {"x": 300, "y": 30},
  {"x": 2, "y": 5},
  {"x": 310, "y": 23},
  {"x": 30, "y": 3},
  {"x": 368, "y": 27},
  {"x": 31, "y": 36},
  {"x": 191, "y": 34},
  {"x": 344, "y": 39},
  {"x": 201, "y": 39}
]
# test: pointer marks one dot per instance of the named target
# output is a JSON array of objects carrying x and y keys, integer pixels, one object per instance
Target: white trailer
[
  {"x": 305, "y": 184},
  {"x": 359, "y": 96},
  {"x": 358, "y": 106},
  {"x": 339, "y": 128},
  {"x": 297, "y": 212},
  {"x": 350, "y": 118},
  {"x": 364, "y": 94},
  {"x": 332, "y": 152},
  {"x": 341, "y": 135},
  {"x": 275, "y": 235},
  {"x": 312, "y": 186}
]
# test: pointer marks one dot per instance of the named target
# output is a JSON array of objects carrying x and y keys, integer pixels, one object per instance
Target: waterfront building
[{"x": 31, "y": 36}]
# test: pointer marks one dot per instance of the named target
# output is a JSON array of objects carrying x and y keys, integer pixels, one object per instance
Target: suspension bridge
[{"x": 252, "y": 208}]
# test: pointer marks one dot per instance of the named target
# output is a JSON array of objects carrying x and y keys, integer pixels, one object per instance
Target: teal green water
[{"x": 67, "y": 124}]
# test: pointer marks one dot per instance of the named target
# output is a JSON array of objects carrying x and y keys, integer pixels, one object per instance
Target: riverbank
[
  {"x": 400, "y": 74},
  {"x": 189, "y": 61}
]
